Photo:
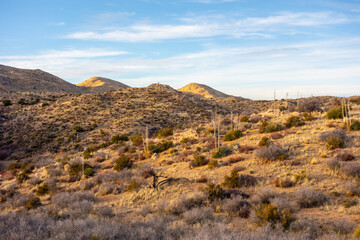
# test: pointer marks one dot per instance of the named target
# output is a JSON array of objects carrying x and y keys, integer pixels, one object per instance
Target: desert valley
[{"x": 103, "y": 160}]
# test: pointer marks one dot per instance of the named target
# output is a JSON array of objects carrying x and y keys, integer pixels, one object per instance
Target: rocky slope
[
  {"x": 203, "y": 90},
  {"x": 27, "y": 80}
]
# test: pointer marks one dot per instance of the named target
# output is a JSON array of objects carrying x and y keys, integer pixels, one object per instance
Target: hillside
[
  {"x": 278, "y": 175},
  {"x": 203, "y": 90},
  {"x": 27, "y": 80},
  {"x": 100, "y": 84}
]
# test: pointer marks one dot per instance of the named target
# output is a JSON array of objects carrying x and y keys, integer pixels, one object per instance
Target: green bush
[
  {"x": 33, "y": 203},
  {"x": 269, "y": 214},
  {"x": 272, "y": 127},
  {"x": 89, "y": 150},
  {"x": 122, "y": 163},
  {"x": 222, "y": 152},
  {"x": 234, "y": 180},
  {"x": 334, "y": 142},
  {"x": 213, "y": 164},
  {"x": 184, "y": 140},
  {"x": 355, "y": 125},
  {"x": 232, "y": 135},
  {"x": 119, "y": 138},
  {"x": 308, "y": 117},
  {"x": 22, "y": 102},
  {"x": 89, "y": 172},
  {"x": 264, "y": 142},
  {"x": 76, "y": 168},
  {"x": 136, "y": 140},
  {"x": 78, "y": 129},
  {"x": 244, "y": 119},
  {"x": 43, "y": 190},
  {"x": 160, "y": 147},
  {"x": 294, "y": 121},
  {"x": 133, "y": 185},
  {"x": 22, "y": 177},
  {"x": 165, "y": 132},
  {"x": 214, "y": 192},
  {"x": 334, "y": 113},
  {"x": 198, "y": 161},
  {"x": 7, "y": 103}
]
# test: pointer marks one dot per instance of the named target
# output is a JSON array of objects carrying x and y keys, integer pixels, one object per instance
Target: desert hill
[
  {"x": 100, "y": 84},
  {"x": 28, "y": 80},
  {"x": 203, "y": 90}
]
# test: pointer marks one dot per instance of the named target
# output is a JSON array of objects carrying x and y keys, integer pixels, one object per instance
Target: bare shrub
[
  {"x": 103, "y": 211},
  {"x": 353, "y": 188},
  {"x": 78, "y": 209},
  {"x": 284, "y": 182},
  {"x": 271, "y": 153},
  {"x": 333, "y": 165},
  {"x": 351, "y": 169},
  {"x": 145, "y": 210},
  {"x": 63, "y": 199},
  {"x": 235, "y": 205},
  {"x": 343, "y": 226},
  {"x": 198, "y": 215},
  {"x": 307, "y": 197},
  {"x": 309, "y": 105},
  {"x": 186, "y": 202},
  {"x": 345, "y": 157},
  {"x": 264, "y": 195},
  {"x": 334, "y": 139}
]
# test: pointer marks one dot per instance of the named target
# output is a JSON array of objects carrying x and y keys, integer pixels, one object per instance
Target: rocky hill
[
  {"x": 100, "y": 84},
  {"x": 28, "y": 80},
  {"x": 203, "y": 90}
]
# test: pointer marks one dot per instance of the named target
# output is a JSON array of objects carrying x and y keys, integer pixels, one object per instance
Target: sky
[{"x": 248, "y": 48}]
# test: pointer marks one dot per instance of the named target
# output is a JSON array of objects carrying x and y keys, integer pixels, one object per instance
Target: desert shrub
[
  {"x": 22, "y": 177},
  {"x": 213, "y": 164},
  {"x": 221, "y": 152},
  {"x": 308, "y": 198},
  {"x": 351, "y": 169},
  {"x": 214, "y": 192},
  {"x": 271, "y": 153},
  {"x": 245, "y": 119},
  {"x": 234, "y": 159},
  {"x": 345, "y": 157},
  {"x": 89, "y": 172},
  {"x": 198, "y": 215},
  {"x": 232, "y": 135},
  {"x": 234, "y": 180},
  {"x": 64, "y": 199},
  {"x": 276, "y": 135},
  {"x": 236, "y": 205},
  {"x": 43, "y": 189},
  {"x": 308, "y": 117},
  {"x": 119, "y": 138},
  {"x": 122, "y": 163},
  {"x": 246, "y": 149},
  {"x": 22, "y": 101},
  {"x": 14, "y": 166},
  {"x": 198, "y": 161},
  {"x": 357, "y": 232},
  {"x": 165, "y": 132},
  {"x": 272, "y": 127},
  {"x": 76, "y": 169},
  {"x": 355, "y": 125},
  {"x": 284, "y": 182},
  {"x": 264, "y": 142},
  {"x": 264, "y": 195},
  {"x": 255, "y": 119},
  {"x": 160, "y": 147},
  {"x": 89, "y": 150},
  {"x": 7, "y": 102},
  {"x": 334, "y": 113},
  {"x": 353, "y": 188},
  {"x": 334, "y": 139},
  {"x": 33, "y": 203},
  {"x": 78, "y": 129},
  {"x": 103, "y": 211},
  {"x": 300, "y": 176},
  {"x": 133, "y": 185},
  {"x": 269, "y": 214},
  {"x": 136, "y": 140},
  {"x": 294, "y": 121},
  {"x": 187, "y": 202},
  {"x": 309, "y": 106},
  {"x": 202, "y": 179},
  {"x": 347, "y": 203},
  {"x": 343, "y": 226},
  {"x": 333, "y": 165}
]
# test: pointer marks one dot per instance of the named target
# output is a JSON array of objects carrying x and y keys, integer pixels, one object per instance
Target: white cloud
[
  {"x": 198, "y": 27},
  {"x": 74, "y": 53}
]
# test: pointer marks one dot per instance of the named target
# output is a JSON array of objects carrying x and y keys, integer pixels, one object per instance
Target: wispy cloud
[
  {"x": 74, "y": 53},
  {"x": 199, "y": 28}
]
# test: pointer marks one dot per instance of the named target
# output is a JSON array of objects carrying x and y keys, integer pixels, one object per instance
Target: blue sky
[{"x": 242, "y": 47}]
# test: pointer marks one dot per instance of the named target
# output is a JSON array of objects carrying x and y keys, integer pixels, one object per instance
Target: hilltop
[
  {"x": 28, "y": 80},
  {"x": 203, "y": 90},
  {"x": 100, "y": 84}
]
